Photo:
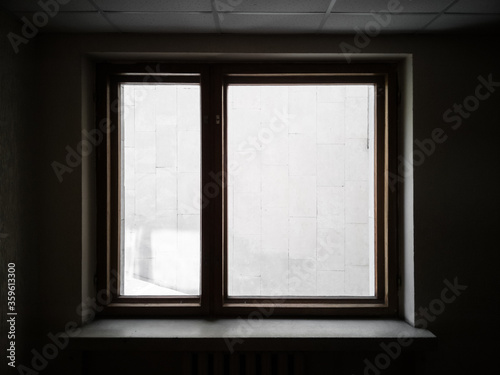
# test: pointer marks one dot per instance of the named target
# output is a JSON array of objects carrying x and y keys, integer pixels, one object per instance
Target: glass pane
[
  {"x": 160, "y": 189},
  {"x": 300, "y": 190}
]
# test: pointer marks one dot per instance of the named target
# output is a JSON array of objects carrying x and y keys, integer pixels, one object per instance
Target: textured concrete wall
[
  {"x": 161, "y": 179},
  {"x": 298, "y": 199}
]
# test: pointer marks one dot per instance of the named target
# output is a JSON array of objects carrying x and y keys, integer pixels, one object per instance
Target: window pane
[
  {"x": 300, "y": 190},
  {"x": 160, "y": 189}
]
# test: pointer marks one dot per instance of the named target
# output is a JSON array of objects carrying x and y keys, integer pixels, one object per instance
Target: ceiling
[{"x": 261, "y": 16}]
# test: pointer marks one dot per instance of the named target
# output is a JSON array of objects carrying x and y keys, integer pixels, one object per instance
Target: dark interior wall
[
  {"x": 455, "y": 186},
  {"x": 456, "y": 199},
  {"x": 18, "y": 190}
]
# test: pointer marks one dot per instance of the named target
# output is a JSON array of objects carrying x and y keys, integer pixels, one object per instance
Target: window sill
[{"x": 242, "y": 334}]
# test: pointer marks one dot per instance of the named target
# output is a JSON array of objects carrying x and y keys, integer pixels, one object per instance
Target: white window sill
[{"x": 243, "y": 334}]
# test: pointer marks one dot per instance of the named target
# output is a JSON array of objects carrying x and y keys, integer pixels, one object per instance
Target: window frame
[
  {"x": 214, "y": 79},
  {"x": 109, "y": 77}
]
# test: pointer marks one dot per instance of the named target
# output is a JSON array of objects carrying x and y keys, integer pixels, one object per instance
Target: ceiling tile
[
  {"x": 33, "y": 6},
  {"x": 462, "y": 22},
  {"x": 163, "y": 22},
  {"x": 277, "y": 6},
  {"x": 475, "y": 6},
  {"x": 395, "y": 24},
  {"x": 267, "y": 23},
  {"x": 74, "y": 22},
  {"x": 155, "y": 5},
  {"x": 407, "y": 6}
]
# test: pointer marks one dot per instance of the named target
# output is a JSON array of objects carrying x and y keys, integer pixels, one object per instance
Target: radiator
[{"x": 248, "y": 363}]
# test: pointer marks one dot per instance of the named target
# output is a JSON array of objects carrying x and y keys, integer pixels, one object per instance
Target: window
[
  {"x": 160, "y": 170},
  {"x": 229, "y": 187}
]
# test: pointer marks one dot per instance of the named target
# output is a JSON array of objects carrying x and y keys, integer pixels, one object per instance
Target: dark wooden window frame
[{"x": 214, "y": 80}]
